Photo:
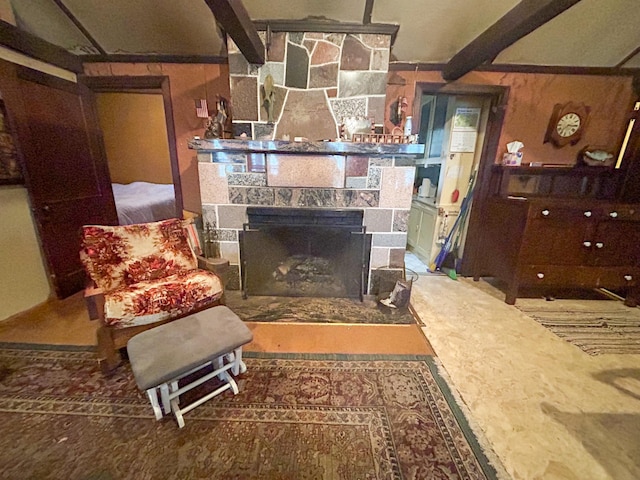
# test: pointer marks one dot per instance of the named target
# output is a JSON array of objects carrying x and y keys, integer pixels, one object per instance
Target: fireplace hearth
[{"x": 304, "y": 252}]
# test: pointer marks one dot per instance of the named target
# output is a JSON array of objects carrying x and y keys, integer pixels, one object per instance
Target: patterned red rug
[{"x": 317, "y": 417}]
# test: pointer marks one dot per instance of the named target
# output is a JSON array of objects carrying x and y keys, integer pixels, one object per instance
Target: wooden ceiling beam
[
  {"x": 235, "y": 21},
  {"x": 27, "y": 43},
  {"x": 521, "y": 20}
]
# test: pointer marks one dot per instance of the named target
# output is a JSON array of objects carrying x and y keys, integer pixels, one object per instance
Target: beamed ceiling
[{"x": 455, "y": 35}]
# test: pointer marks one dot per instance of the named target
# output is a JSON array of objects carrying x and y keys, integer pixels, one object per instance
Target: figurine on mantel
[
  {"x": 220, "y": 126},
  {"x": 269, "y": 97}
]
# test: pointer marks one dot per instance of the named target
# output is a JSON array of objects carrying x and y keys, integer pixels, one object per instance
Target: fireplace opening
[{"x": 304, "y": 252}]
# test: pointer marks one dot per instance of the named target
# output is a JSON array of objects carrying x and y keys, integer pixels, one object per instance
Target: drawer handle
[
  {"x": 540, "y": 275},
  {"x": 613, "y": 214},
  {"x": 587, "y": 213},
  {"x": 545, "y": 212},
  {"x": 586, "y": 244},
  {"x": 628, "y": 278},
  {"x": 599, "y": 244}
]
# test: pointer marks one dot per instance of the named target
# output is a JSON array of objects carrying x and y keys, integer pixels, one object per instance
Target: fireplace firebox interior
[{"x": 304, "y": 252}]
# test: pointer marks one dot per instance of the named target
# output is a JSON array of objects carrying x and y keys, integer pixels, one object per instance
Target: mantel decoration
[{"x": 567, "y": 124}]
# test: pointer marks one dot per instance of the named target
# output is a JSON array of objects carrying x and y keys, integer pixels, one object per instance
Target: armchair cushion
[
  {"x": 159, "y": 299},
  {"x": 121, "y": 256}
]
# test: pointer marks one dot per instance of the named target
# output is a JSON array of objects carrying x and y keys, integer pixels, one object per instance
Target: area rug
[
  {"x": 595, "y": 326},
  {"x": 313, "y": 417},
  {"x": 314, "y": 309}
]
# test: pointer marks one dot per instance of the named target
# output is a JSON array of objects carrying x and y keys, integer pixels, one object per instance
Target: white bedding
[{"x": 142, "y": 202}]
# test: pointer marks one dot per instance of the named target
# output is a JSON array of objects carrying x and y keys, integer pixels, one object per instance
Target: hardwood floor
[{"x": 65, "y": 322}]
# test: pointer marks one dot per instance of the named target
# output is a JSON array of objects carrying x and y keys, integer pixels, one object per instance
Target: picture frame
[{"x": 10, "y": 167}]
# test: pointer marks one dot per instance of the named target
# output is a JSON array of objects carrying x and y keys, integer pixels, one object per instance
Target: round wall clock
[{"x": 567, "y": 123}]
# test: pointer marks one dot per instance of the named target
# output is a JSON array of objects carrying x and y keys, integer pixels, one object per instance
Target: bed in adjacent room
[{"x": 143, "y": 202}]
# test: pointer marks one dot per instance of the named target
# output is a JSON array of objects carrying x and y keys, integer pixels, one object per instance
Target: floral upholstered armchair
[{"x": 142, "y": 275}]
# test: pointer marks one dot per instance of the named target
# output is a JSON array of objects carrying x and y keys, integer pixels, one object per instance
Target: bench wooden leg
[
  {"x": 108, "y": 355},
  {"x": 152, "y": 393}
]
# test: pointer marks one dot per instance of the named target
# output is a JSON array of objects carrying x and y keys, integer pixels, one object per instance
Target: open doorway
[
  {"x": 460, "y": 127},
  {"x": 136, "y": 123}
]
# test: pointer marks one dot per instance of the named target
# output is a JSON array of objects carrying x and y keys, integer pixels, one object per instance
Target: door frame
[
  {"x": 499, "y": 96},
  {"x": 158, "y": 84}
]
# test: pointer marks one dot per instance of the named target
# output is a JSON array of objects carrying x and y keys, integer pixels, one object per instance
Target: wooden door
[{"x": 64, "y": 164}]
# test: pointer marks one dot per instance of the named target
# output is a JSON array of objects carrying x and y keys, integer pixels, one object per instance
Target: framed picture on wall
[{"x": 10, "y": 171}]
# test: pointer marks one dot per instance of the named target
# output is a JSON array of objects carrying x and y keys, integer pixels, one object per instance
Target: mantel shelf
[
  {"x": 554, "y": 170},
  {"x": 311, "y": 148}
]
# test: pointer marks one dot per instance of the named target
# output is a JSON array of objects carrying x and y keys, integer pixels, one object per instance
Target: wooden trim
[
  {"x": 235, "y": 21},
  {"x": 36, "y": 76},
  {"x": 521, "y": 68},
  {"x": 80, "y": 26},
  {"x": 327, "y": 27},
  {"x": 27, "y": 43},
  {"x": 521, "y": 20},
  {"x": 145, "y": 84},
  {"x": 121, "y": 58}
]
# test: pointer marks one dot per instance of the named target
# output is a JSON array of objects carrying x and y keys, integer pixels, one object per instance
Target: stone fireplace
[{"x": 374, "y": 180}]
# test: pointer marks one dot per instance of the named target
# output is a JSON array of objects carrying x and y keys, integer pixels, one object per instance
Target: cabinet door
[
  {"x": 426, "y": 240},
  {"x": 557, "y": 242},
  {"x": 413, "y": 227},
  {"x": 616, "y": 243}
]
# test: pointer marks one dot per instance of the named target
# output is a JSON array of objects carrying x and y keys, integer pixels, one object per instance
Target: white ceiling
[{"x": 592, "y": 33}]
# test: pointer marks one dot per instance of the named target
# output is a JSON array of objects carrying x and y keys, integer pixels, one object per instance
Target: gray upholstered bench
[{"x": 160, "y": 357}]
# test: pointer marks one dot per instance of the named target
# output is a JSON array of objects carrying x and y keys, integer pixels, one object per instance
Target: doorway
[
  {"x": 460, "y": 126},
  {"x": 136, "y": 120}
]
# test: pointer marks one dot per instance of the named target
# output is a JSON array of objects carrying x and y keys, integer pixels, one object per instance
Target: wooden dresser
[{"x": 563, "y": 242}]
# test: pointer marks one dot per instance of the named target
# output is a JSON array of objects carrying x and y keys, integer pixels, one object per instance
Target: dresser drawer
[
  {"x": 558, "y": 276},
  {"x": 618, "y": 277}
]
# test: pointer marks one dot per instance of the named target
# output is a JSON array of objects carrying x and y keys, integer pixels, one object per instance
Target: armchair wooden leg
[{"x": 108, "y": 355}]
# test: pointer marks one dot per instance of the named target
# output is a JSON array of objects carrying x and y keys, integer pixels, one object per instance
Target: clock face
[{"x": 568, "y": 124}]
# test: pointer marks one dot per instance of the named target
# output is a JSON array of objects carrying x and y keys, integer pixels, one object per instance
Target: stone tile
[
  {"x": 205, "y": 157},
  {"x": 325, "y": 52},
  {"x": 231, "y": 46},
  {"x": 309, "y": 45},
  {"x": 380, "y": 60},
  {"x": 396, "y": 257},
  {"x": 306, "y": 170},
  {"x": 297, "y": 69},
  {"x": 324, "y": 76},
  {"x": 244, "y": 91},
  {"x": 227, "y": 157},
  {"x": 375, "y": 109},
  {"x": 379, "y": 257},
  {"x": 232, "y": 216},
  {"x": 354, "y": 84},
  {"x": 263, "y": 131},
  {"x": 276, "y": 70},
  {"x": 254, "y": 69},
  {"x": 314, "y": 35},
  {"x": 359, "y": 183},
  {"x": 332, "y": 92},
  {"x": 350, "y": 107},
  {"x": 397, "y": 240},
  {"x": 336, "y": 38},
  {"x": 296, "y": 37},
  {"x": 396, "y": 187},
  {"x": 230, "y": 168},
  {"x": 357, "y": 166},
  {"x": 356, "y": 198},
  {"x": 240, "y": 127},
  {"x": 233, "y": 278},
  {"x": 251, "y": 196},
  {"x": 381, "y": 162},
  {"x": 275, "y": 53},
  {"x": 373, "y": 179},
  {"x": 247, "y": 179},
  {"x": 284, "y": 197},
  {"x": 378, "y": 219},
  {"x": 238, "y": 65},
  {"x": 209, "y": 216},
  {"x": 355, "y": 55},
  {"x": 230, "y": 251},
  {"x": 315, "y": 197},
  {"x": 375, "y": 40},
  {"x": 400, "y": 220},
  {"x": 213, "y": 183},
  {"x": 384, "y": 279},
  {"x": 306, "y": 114},
  {"x": 226, "y": 235},
  {"x": 404, "y": 162},
  {"x": 256, "y": 162}
]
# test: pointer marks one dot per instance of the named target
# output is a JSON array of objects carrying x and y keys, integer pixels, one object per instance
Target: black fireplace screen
[{"x": 303, "y": 252}]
